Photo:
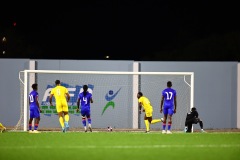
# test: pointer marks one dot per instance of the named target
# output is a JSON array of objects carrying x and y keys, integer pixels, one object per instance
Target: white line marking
[{"x": 123, "y": 147}]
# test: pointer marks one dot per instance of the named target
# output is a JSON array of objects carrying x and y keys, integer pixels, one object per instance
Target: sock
[
  {"x": 169, "y": 125},
  {"x": 163, "y": 126},
  {"x": 66, "y": 118},
  {"x": 35, "y": 126},
  {"x": 84, "y": 122},
  {"x": 155, "y": 121},
  {"x": 29, "y": 127},
  {"x": 89, "y": 120},
  {"x": 147, "y": 125},
  {"x": 61, "y": 122}
]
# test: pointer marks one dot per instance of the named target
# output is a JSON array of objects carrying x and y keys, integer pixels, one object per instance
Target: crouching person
[{"x": 192, "y": 118}]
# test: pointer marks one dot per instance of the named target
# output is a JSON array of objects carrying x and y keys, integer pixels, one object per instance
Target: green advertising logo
[{"x": 109, "y": 97}]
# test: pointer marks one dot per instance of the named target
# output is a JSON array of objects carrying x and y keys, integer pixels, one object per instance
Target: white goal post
[{"x": 123, "y": 112}]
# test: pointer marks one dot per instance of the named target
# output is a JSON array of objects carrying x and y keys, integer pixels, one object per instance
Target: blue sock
[
  {"x": 30, "y": 127},
  {"x": 164, "y": 126},
  {"x": 84, "y": 122},
  {"x": 89, "y": 121}
]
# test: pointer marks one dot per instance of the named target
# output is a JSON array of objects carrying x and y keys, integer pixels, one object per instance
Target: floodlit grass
[{"x": 119, "y": 146}]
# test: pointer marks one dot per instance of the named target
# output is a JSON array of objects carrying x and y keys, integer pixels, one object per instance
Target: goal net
[{"x": 115, "y": 100}]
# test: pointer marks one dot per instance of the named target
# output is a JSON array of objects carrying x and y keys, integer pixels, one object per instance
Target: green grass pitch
[{"x": 119, "y": 146}]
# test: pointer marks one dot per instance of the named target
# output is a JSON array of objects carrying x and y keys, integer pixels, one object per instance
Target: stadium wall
[{"x": 214, "y": 85}]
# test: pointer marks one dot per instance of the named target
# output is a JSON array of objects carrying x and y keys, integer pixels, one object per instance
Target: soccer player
[
  {"x": 34, "y": 109},
  {"x": 62, "y": 97},
  {"x": 2, "y": 128},
  {"x": 192, "y": 118},
  {"x": 168, "y": 106},
  {"x": 85, "y": 98},
  {"x": 145, "y": 106}
]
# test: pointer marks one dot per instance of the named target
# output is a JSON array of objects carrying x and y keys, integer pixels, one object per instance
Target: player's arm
[
  {"x": 68, "y": 96},
  {"x": 175, "y": 104},
  {"x": 38, "y": 105},
  {"x": 78, "y": 103},
  {"x": 50, "y": 99},
  {"x": 91, "y": 100},
  {"x": 140, "y": 107},
  {"x": 161, "y": 105},
  {"x": 195, "y": 114}
]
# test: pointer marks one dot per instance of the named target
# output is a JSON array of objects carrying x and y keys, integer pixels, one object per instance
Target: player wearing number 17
[{"x": 168, "y": 106}]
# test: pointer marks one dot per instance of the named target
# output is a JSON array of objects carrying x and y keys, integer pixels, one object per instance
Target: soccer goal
[{"x": 115, "y": 100}]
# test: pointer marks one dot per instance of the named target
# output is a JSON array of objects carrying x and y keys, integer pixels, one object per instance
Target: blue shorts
[
  {"x": 34, "y": 112},
  {"x": 168, "y": 111},
  {"x": 85, "y": 112}
]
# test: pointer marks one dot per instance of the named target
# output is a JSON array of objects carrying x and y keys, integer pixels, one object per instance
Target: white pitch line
[{"x": 123, "y": 147}]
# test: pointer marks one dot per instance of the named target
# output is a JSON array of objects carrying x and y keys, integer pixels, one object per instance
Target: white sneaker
[
  {"x": 90, "y": 128},
  {"x": 163, "y": 132},
  {"x": 203, "y": 131},
  {"x": 169, "y": 132},
  {"x": 36, "y": 131},
  {"x": 30, "y": 131}
]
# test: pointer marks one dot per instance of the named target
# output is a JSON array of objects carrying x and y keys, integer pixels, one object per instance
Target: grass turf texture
[{"x": 119, "y": 145}]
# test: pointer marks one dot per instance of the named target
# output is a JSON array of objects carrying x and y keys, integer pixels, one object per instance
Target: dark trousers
[{"x": 190, "y": 121}]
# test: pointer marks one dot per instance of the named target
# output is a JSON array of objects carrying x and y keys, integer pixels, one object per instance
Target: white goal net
[{"x": 114, "y": 95}]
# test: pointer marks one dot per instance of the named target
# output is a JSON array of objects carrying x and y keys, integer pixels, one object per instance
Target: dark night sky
[{"x": 122, "y": 29}]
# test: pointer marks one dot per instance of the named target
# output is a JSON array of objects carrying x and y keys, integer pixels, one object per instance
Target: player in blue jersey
[
  {"x": 85, "y": 98},
  {"x": 168, "y": 106},
  {"x": 34, "y": 109}
]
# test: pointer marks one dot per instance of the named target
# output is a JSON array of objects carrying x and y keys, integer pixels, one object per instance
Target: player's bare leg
[
  {"x": 164, "y": 124},
  {"x": 169, "y": 124},
  {"x": 61, "y": 121},
  {"x": 30, "y": 125},
  {"x": 147, "y": 121},
  {"x": 66, "y": 120},
  {"x": 89, "y": 123}
]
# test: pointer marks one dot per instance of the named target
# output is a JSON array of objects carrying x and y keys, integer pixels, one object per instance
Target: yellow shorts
[
  {"x": 148, "y": 112},
  {"x": 62, "y": 106}
]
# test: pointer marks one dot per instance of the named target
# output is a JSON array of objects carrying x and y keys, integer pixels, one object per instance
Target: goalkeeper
[
  {"x": 192, "y": 118},
  {"x": 2, "y": 128}
]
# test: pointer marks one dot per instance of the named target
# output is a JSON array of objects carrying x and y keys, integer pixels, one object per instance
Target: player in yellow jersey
[
  {"x": 148, "y": 109},
  {"x": 61, "y": 96}
]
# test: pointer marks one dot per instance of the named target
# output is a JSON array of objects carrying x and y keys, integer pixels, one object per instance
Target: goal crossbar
[{"x": 135, "y": 82}]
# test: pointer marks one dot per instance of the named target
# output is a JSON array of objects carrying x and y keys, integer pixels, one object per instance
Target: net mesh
[{"x": 112, "y": 99}]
